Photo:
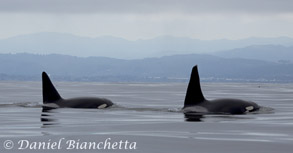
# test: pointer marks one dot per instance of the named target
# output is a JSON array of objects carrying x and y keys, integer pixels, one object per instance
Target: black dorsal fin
[
  {"x": 193, "y": 94},
  {"x": 50, "y": 94}
]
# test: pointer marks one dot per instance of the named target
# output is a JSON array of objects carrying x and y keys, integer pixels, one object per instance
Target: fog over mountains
[{"x": 109, "y": 59}]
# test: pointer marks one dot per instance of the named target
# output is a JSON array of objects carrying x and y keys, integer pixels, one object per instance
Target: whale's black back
[
  {"x": 194, "y": 94},
  {"x": 50, "y": 94}
]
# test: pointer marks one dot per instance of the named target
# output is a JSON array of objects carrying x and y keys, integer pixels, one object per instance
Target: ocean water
[{"x": 146, "y": 118}]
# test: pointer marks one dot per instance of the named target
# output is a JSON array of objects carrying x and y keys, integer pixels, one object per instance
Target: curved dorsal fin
[
  {"x": 50, "y": 94},
  {"x": 193, "y": 94}
]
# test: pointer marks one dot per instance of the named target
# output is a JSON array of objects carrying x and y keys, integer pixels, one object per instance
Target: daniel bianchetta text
[{"x": 70, "y": 144}]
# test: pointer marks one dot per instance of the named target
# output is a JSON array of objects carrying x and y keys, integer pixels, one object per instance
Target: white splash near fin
[
  {"x": 197, "y": 109},
  {"x": 53, "y": 105}
]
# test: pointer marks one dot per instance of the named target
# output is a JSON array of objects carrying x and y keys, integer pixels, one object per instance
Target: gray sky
[{"x": 142, "y": 19}]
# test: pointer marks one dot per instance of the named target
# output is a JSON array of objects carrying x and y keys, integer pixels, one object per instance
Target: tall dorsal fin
[
  {"x": 193, "y": 94},
  {"x": 50, "y": 94}
]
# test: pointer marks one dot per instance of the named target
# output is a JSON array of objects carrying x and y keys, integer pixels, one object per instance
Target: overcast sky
[{"x": 142, "y": 19}]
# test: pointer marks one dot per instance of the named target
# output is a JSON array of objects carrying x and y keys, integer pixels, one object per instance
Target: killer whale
[
  {"x": 51, "y": 98},
  {"x": 195, "y": 102}
]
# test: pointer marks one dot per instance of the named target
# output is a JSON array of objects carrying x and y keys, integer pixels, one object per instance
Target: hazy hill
[
  {"x": 58, "y": 43},
  {"x": 275, "y": 53},
  {"x": 168, "y": 68}
]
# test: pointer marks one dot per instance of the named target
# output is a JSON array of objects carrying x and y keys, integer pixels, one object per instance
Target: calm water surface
[{"x": 148, "y": 114}]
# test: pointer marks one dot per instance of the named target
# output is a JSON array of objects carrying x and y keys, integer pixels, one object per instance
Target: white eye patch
[
  {"x": 102, "y": 106},
  {"x": 249, "y": 108}
]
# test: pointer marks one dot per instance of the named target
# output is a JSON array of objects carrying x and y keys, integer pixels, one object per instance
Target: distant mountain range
[
  {"x": 274, "y": 53},
  {"x": 107, "y": 46},
  {"x": 74, "y": 58},
  {"x": 174, "y": 68}
]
